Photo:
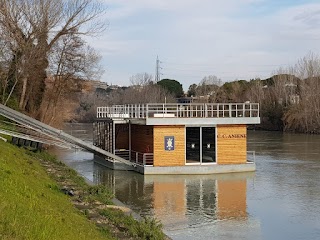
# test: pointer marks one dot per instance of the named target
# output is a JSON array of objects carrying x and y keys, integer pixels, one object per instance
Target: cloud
[{"x": 231, "y": 39}]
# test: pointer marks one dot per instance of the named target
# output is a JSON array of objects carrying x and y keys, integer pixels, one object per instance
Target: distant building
[{"x": 98, "y": 84}]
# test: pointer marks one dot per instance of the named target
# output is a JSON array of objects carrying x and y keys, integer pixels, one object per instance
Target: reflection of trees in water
[
  {"x": 128, "y": 187},
  {"x": 284, "y": 146},
  {"x": 201, "y": 199},
  {"x": 136, "y": 193}
]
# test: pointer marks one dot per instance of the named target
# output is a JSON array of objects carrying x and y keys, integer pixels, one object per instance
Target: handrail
[
  {"x": 170, "y": 110},
  {"x": 139, "y": 158}
]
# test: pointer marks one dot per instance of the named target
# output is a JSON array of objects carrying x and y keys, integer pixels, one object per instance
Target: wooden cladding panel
[
  {"x": 142, "y": 138},
  {"x": 232, "y": 199},
  {"x": 231, "y": 144},
  {"x": 122, "y": 136},
  {"x": 175, "y": 157}
]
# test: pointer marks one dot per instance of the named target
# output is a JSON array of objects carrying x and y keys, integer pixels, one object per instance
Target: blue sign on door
[{"x": 169, "y": 143}]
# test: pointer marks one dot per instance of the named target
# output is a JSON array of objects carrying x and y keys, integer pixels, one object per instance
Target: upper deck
[{"x": 183, "y": 114}]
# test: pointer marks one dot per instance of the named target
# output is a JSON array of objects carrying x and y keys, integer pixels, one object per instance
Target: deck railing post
[
  {"x": 144, "y": 159},
  {"x": 236, "y": 110},
  {"x": 187, "y": 111},
  {"x": 222, "y": 110},
  {"x": 137, "y": 157},
  {"x": 177, "y": 110},
  {"x": 147, "y": 110},
  {"x": 218, "y": 110},
  {"x": 135, "y": 111},
  {"x": 243, "y": 110},
  {"x": 143, "y": 111},
  {"x": 205, "y": 110}
]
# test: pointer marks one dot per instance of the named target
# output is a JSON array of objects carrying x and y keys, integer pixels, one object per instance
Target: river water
[{"x": 281, "y": 200}]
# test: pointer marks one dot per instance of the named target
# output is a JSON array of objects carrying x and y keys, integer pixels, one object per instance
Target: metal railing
[
  {"x": 143, "y": 159},
  {"x": 123, "y": 111},
  {"x": 251, "y": 156},
  {"x": 194, "y": 110}
]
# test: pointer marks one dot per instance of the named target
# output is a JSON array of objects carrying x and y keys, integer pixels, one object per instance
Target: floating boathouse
[{"x": 177, "y": 138}]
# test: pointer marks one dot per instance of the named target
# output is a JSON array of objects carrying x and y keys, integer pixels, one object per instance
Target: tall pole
[{"x": 157, "y": 77}]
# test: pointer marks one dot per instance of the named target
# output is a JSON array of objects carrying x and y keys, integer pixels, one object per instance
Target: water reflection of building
[
  {"x": 169, "y": 197},
  {"x": 232, "y": 199},
  {"x": 181, "y": 200}
]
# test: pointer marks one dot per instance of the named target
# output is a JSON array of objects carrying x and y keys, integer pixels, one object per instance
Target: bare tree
[
  {"x": 149, "y": 94},
  {"x": 304, "y": 116},
  {"x": 292, "y": 96},
  {"x": 141, "y": 79},
  {"x": 5, "y": 57},
  {"x": 31, "y": 29},
  {"x": 256, "y": 91},
  {"x": 308, "y": 66},
  {"x": 208, "y": 86},
  {"x": 70, "y": 60}
]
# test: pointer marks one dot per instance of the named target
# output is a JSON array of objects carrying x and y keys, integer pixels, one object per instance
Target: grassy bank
[
  {"x": 41, "y": 198},
  {"x": 32, "y": 205}
]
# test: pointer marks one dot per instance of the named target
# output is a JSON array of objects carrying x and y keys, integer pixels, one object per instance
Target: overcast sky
[{"x": 232, "y": 39}]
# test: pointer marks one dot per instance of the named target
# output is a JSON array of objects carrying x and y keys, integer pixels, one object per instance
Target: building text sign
[
  {"x": 169, "y": 143},
  {"x": 232, "y": 136}
]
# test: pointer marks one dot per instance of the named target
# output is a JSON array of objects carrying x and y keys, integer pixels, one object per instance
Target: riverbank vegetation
[
  {"x": 289, "y": 100},
  {"x": 41, "y": 198}
]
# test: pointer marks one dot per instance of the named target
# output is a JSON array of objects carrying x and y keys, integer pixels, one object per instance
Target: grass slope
[{"x": 32, "y": 205}]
